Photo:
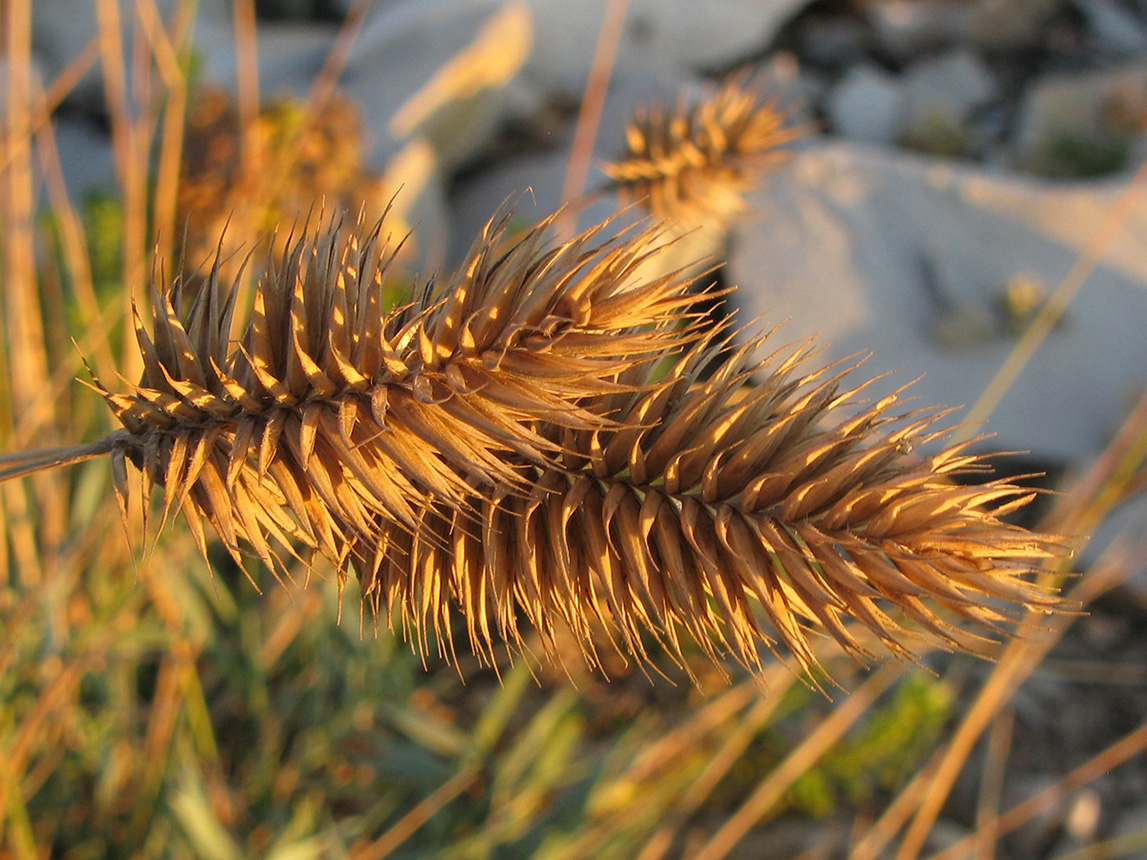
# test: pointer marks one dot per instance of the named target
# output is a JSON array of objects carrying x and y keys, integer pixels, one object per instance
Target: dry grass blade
[
  {"x": 771, "y": 789},
  {"x": 1128, "y": 747},
  {"x": 693, "y": 163},
  {"x": 593, "y": 101},
  {"x": 705, "y": 505}
]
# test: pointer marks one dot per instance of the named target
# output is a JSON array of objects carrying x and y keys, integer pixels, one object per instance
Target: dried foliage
[
  {"x": 694, "y": 163},
  {"x": 709, "y": 498},
  {"x": 510, "y": 445},
  {"x": 296, "y": 154}
]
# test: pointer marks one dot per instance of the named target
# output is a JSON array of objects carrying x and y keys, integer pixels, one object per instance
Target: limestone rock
[
  {"x": 439, "y": 69},
  {"x": 534, "y": 183},
  {"x": 61, "y": 29},
  {"x": 940, "y": 95},
  {"x": 833, "y": 41},
  {"x": 660, "y": 37},
  {"x": 867, "y": 105},
  {"x": 86, "y": 158},
  {"x": 908, "y": 28},
  {"x": 871, "y": 248},
  {"x": 290, "y": 56},
  {"x": 1116, "y": 30}
]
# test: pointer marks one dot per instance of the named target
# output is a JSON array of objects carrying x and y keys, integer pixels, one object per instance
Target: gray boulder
[
  {"x": 879, "y": 251},
  {"x": 443, "y": 70},
  {"x": 868, "y": 105}
]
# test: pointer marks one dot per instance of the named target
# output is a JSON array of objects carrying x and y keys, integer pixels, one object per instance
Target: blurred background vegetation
[{"x": 153, "y": 708}]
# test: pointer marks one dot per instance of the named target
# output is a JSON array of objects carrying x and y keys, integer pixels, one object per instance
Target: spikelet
[
  {"x": 331, "y": 415},
  {"x": 508, "y": 448},
  {"x": 693, "y": 164},
  {"x": 711, "y": 506}
]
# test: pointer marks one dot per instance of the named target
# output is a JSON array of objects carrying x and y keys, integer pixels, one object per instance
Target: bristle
[
  {"x": 742, "y": 520},
  {"x": 348, "y": 415}
]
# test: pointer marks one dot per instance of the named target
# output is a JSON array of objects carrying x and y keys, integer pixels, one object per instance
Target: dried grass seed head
[
  {"x": 506, "y": 447},
  {"x": 333, "y": 414},
  {"x": 736, "y": 517},
  {"x": 694, "y": 163}
]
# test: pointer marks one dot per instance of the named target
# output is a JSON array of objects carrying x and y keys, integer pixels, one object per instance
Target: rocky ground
[{"x": 963, "y": 154}]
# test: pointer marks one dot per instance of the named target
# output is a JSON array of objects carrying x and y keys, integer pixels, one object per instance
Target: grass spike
[{"x": 510, "y": 445}]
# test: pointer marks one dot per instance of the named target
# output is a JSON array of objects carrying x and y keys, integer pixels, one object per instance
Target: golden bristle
[
  {"x": 332, "y": 414},
  {"x": 510, "y": 448},
  {"x": 735, "y": 517},
  {"x": 693, "y": 164}
]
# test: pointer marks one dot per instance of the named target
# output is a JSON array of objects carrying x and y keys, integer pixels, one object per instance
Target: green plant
[{"x": 270, "y": 173}]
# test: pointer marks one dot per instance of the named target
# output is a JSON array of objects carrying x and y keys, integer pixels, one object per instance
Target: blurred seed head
[{"x": 694, "y": 163}]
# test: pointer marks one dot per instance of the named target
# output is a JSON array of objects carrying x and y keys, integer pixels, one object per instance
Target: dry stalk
[
  {"x": 511, "y": 447},
  {"x": 593, "y": 101}
]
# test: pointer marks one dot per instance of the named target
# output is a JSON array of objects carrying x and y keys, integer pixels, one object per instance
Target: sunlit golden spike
[
  {"x": 511, "y": 447},
  {"x": 329, "y": 413},
  {"x": 739, "y": 518}
]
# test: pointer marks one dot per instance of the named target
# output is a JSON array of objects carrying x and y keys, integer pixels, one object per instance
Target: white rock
[
  {"x": 1124, "y": 524},
  {"x": 795, "y": 87},
  {"x": 61, "y": 29},
  {"x": 1034, "y": 836},
  {"x": 1131, "y": 821},
  {"x": 1084, "y": 816},
  {"x": 1117, "y": 30},
  {"x": 945, "y": 833},
  {"x": 534, "y": 183},
  {"x": 908, "y": 27},
  {"x": 945, "y": 89},
  {"x": 659, "y": 37},
  {"x": 833, "y": 40},
  {"x": 531, "y": 184},
  {"x": 290, "y": 56},
  {"x": 85, "y": 153},
  {"x": 86, "y": 159},
  {"x": 867, "y": 104},
  {"x": 871, "y": 248},
  {"x": 415, "y": 190}
]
